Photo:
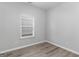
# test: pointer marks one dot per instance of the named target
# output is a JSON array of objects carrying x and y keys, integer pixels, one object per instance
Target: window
[{"x": 27, "y": 26}]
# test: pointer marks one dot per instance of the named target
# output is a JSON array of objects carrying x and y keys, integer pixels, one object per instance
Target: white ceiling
[{"x": 45, "y": 5}]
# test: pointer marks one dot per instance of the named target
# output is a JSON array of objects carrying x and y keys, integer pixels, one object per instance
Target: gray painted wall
[
  {"x": 63, "y": 26},
  {"x": 10, "y": 21}
]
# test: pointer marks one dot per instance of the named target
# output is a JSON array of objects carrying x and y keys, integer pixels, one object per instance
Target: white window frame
[{"x": 33, "y": 31}]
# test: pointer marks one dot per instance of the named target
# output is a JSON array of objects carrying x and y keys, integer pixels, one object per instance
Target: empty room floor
[{"x": 40, "y": 50}]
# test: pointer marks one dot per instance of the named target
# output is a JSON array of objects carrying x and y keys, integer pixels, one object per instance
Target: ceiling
[{"x": 45, "y": 5}]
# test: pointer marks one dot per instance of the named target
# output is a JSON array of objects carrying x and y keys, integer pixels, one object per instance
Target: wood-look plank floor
[{"x": 40, "y": 50}]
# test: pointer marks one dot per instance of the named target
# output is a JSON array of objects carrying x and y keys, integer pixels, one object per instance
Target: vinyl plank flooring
[{"x": 40, "y": 50}]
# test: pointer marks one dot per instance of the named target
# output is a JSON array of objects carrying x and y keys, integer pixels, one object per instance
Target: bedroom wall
[
  {"x": 10, "y": 21},
  {"x": 63, "y": 26}
]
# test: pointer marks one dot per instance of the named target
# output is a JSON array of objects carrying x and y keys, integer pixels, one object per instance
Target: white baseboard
[
  {"x": 63, "y": 47},
  {"x": 21, "y": 47},
  {"x": 38, "y": 43}
]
